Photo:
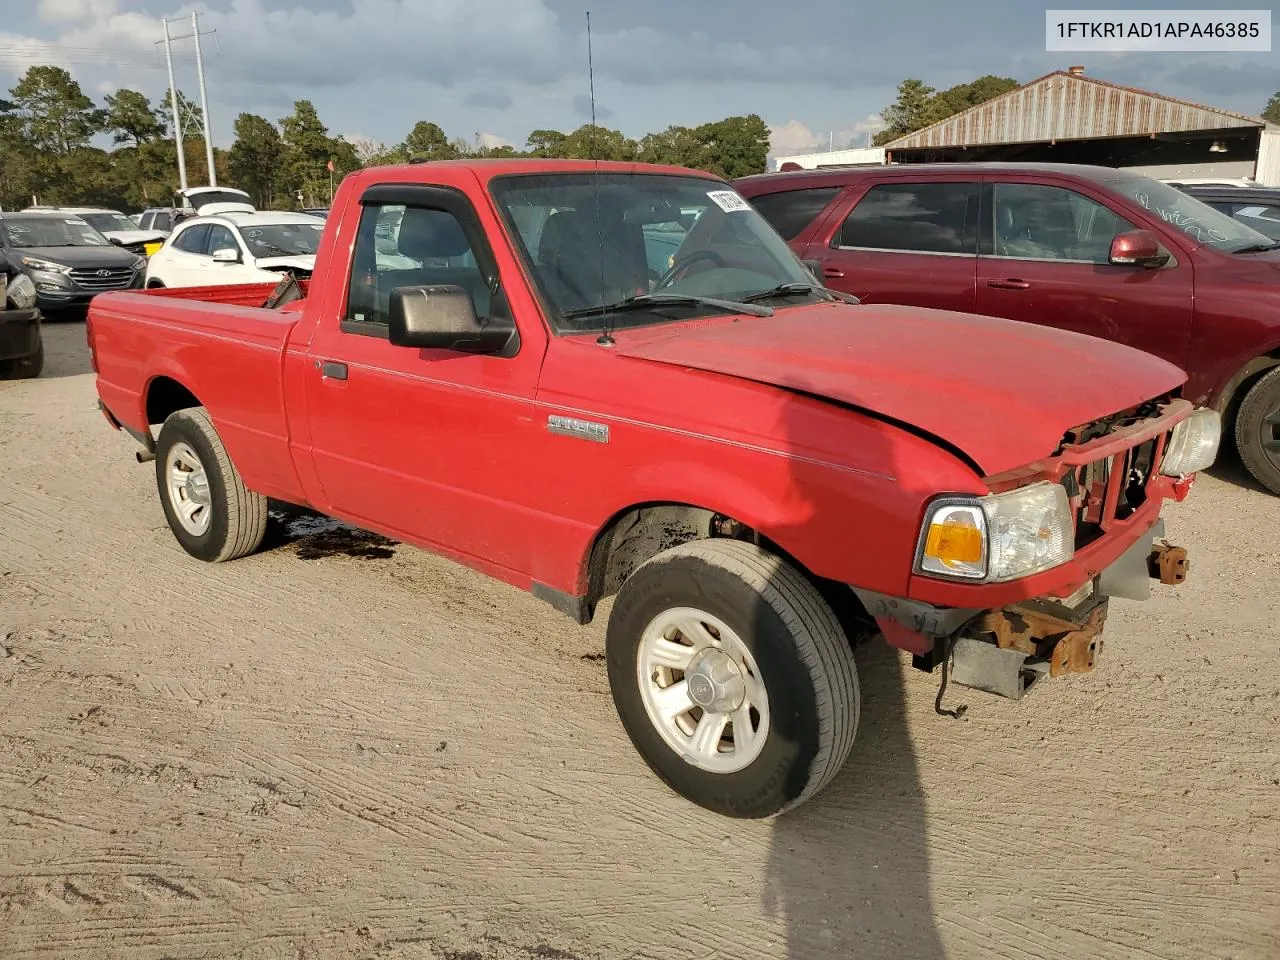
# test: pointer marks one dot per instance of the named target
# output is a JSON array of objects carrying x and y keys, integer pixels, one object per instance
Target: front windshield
[
  {"x": 596, "y": 239},
  {"x": 27, "y": 232},
  {"x": 109, "y": 221},
  {"x": 1196, "y": 219},
  {"x": 282, "y": 239}
]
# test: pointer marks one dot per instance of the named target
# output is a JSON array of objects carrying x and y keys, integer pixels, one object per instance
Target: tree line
[{"x": 48, "y": 126}]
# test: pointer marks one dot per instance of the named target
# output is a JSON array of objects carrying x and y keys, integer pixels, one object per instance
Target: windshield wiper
[
  {"x": 1259, "y": 248},
  {"x": 789, "y": 289},
  {"x": 644, "y": 300}
]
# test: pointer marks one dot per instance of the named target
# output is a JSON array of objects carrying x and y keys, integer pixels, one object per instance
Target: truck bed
[{"x": 222, "y": 346}]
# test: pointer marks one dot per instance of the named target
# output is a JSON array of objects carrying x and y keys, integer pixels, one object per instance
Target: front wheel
[
  {"x": 732, "y": 677},
  {"x": 1258, "y": 431},
  {"x": 210, "y": 511}
]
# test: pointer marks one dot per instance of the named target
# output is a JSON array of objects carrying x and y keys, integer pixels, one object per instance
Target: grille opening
[{"x": 1087, "y": 488}]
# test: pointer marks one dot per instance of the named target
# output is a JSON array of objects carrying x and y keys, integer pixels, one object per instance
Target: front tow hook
[{"x": 1168, "y": 564}]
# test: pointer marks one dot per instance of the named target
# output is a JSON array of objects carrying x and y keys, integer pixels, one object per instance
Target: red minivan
[{"x": 1098, "y": 250}]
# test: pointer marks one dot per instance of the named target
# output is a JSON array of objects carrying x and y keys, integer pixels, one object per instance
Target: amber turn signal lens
[{"x": 954, "y": 543}]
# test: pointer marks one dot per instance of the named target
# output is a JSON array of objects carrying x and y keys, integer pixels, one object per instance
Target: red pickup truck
[
  {"x": 493, "y": 361},
  {"x": 1098, "y": 250}
]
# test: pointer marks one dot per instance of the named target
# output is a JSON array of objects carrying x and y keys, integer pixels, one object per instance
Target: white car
[{"x": 234, "y": 247}]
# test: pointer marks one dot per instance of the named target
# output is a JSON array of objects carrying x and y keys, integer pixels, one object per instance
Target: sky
[{"x": 817, "y": 71}]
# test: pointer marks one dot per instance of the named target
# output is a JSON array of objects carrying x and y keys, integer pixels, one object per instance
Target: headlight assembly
[
  {"x": 48, "y": 266},
  {"x": 998, "y": 537},
  {"x": 1193, "y": 445}
]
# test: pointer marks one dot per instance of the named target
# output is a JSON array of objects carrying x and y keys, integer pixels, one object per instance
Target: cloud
[
  {"x": 53, "y": 11},
  {"x": 582, "y": 106},
  {"x": 487, "y": 100},
  {"x": 491, "y": 140},
  {"x": 794, "y": 137}
]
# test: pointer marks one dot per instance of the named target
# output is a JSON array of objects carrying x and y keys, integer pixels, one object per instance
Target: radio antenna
[{"x": 604, "y": 339}]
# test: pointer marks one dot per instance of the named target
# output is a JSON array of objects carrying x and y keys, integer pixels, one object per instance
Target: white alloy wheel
[
  {"x": 702, "y": 690},
  {"x": 188, "y": 488}
]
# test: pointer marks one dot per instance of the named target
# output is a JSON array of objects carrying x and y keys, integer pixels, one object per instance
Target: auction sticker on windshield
[{"x": 728, "y": 201}]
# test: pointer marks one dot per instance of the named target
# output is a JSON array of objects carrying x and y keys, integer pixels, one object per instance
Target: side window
[
  {"x": 161, "y": 221},
  {"x": 220, "y": 237},
  {"x": 1037, "y": 222},
  {"x": 192, "y": 239},
  {"x": 915, "y": 218},
  {"x": 790, "y": 211},
  {"x": 399, "y": 246}
]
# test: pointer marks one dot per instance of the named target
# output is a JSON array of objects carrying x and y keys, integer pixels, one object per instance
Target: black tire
[
  {"x": 24, "y": 368},
  {"x": 237, "y": 519},
  {"x": 1258, "y": 430},
  {"x": 154, "y": 285},
  {"x": 804, "y": 659}
]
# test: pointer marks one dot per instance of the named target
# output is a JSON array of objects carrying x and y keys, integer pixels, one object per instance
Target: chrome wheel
[
  {"x": 188, "y": 487},
  {"x": 702, "y": 690}
]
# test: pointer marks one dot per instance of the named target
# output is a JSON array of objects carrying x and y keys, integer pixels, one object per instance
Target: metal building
[{"x": 1067, "y": 117}]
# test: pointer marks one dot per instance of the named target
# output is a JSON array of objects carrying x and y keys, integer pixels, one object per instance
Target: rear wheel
[
  {"x": 1258, "y": 430},
  {"x": 154, "y": 284},
  {"x": 211, "y": 513},
  {"x": 732, "y": 677}
]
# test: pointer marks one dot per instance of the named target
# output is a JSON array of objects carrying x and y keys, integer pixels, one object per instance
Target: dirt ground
[{"x": 343, "y": 747}]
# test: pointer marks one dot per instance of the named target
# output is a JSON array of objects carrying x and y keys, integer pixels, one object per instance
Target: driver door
[{"x": 432, "y": 445}]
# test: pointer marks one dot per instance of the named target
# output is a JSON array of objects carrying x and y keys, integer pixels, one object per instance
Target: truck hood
[
  {"x": 300, "y": 262},
  {"x": 1002, "y": 392}
]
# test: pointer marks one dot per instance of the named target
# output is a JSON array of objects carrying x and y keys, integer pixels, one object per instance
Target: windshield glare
[
  {"x": 27, "y": 232},
  {"x": 282, "y": 239},
  {"x": 1196, "y": 219},
  {"x": 109, "y": 221},
  {"x": 596, "y": 239}
]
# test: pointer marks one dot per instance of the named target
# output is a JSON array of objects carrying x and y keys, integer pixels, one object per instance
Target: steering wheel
[{"x": 670, "y": 276}]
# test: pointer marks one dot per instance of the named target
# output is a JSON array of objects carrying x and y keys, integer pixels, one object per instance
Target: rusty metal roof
[{"x": 1066, "y": 106}]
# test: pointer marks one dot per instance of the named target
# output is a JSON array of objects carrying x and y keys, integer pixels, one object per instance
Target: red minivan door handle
[
  {"x": 833, "y": 273},
  {"x": 1010, "y": 284}
]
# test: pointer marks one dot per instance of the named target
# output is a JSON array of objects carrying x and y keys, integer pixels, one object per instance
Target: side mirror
[
  {"x": 443, "y": 317},
  {"x": 1137, "y": 248},
  {"x": 226, "y": 255},
  {"x": 117, "y": 241}
]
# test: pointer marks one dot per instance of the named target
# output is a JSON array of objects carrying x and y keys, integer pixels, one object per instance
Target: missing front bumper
[{"x": 1007, "y": 651}]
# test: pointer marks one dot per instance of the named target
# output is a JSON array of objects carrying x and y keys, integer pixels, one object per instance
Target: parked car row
[{"x": 1093, "y": 250}]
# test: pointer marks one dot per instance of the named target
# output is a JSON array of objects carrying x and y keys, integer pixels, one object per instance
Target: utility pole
[
  {"x": 173, "y": 103},
  {"x": 179, "y": 125},
  {"x": 204, "y": 101}
]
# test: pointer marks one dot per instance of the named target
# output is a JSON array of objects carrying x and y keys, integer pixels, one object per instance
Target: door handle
[
  {"x": 833, "y": 273},
  {"x": 332, "y": 369},
  {"x": 1010, "y": 284}
]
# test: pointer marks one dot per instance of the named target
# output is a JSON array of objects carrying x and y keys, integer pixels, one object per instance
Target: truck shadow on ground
[
  {"x": 313, "y": 536},
  {"x": 849, "y": 871}
]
